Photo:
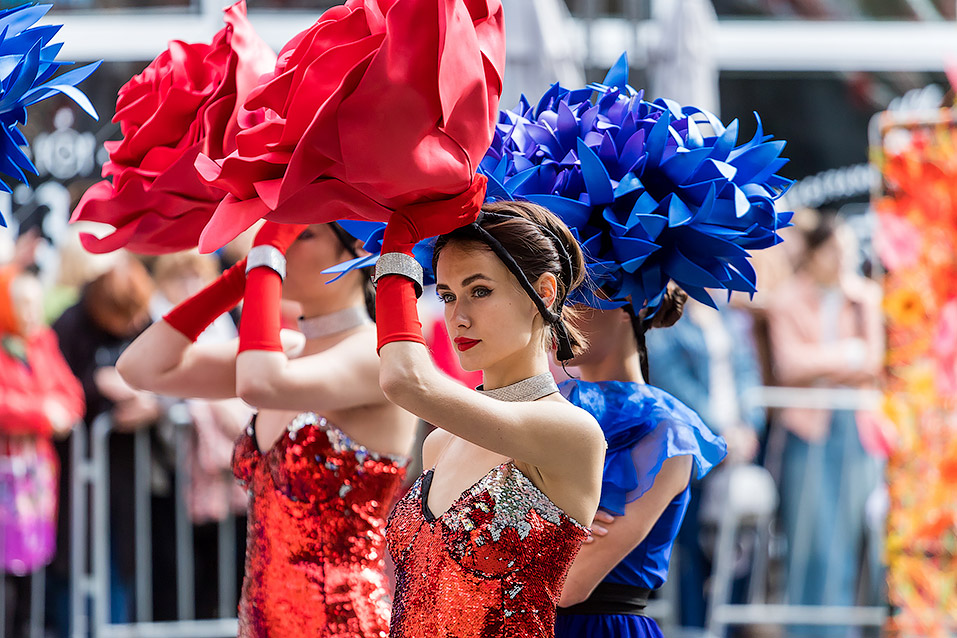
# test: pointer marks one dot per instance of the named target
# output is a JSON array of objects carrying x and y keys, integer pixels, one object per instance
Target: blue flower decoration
[
  {"x": 27, "y": 67},
  {"x": 654, "y": 191}
]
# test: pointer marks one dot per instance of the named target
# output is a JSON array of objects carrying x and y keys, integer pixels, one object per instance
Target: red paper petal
[
  {"x": 186, "y": 101},
  {"x": 379, "y": 104}
]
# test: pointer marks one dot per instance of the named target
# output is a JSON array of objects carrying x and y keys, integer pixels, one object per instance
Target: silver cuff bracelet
[
  {"x": 268, "y": 256},
  {"x": 399, "y": 264}
]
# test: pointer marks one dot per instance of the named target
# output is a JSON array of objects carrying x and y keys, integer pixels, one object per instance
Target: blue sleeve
[
  {"x": 643, "y": 426},
  {"x": 678, "y": 432}
]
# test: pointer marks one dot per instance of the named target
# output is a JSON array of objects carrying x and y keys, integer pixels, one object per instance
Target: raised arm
[
  {"x": 342, "y": 377},
  {"x": 165, "y": 359},
  {"x": 545, "y": 434}
]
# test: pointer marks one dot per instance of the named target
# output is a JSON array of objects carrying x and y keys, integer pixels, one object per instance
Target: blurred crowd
[{"x": 815, "y": 324}]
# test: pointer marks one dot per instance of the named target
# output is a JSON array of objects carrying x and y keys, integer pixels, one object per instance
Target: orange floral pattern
[{"x": 918, "y": 246}]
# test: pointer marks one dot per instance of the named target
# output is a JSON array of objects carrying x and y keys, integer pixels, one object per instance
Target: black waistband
[{"x": 611, "y": 598}]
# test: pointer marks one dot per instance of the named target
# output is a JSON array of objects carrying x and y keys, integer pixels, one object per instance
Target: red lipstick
[{"x": 464, "y": 344}]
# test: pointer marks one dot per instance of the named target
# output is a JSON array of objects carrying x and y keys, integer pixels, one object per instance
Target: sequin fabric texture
[
  {"x": 316, "y": 542},
  {"x": 492, "y": 565}
]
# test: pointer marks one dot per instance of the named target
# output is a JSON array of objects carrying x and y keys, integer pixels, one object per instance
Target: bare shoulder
[
  {"x": 358, "y": 352},
  {"x": 432, "y": 446},
  {"x": 363, "y": 340},
  {"x": 579, "y": 423}
]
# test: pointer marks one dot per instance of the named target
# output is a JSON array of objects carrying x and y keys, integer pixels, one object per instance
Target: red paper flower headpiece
[
  {"x": 186, "y": 102},
  {"x": 379, "y": 104}
]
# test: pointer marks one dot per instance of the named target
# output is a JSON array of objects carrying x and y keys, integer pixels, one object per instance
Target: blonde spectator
[
  {"x": 212, "y": 493},
  {"x": 77, "y": 267}
]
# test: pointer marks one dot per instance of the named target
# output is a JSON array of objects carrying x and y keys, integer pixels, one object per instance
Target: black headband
[{"x": 564, "y": 352}]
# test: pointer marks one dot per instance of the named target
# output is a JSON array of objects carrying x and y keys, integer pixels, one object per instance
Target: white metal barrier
[
  {"x": 91, "y": 555},
  {"x": 753, "y": 502}
]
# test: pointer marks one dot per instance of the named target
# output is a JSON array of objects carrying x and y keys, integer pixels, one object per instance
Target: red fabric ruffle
[
  {"x": 379, "y": 104},
  {"x": 186, "y": 102}
]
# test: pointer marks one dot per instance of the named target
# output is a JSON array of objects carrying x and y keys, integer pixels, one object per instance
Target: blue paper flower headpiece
[
  {"x": 27, "y": 66},
  {"x": 654, "y": 191}
]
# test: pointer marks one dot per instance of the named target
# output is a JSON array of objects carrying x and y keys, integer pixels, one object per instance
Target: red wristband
[
  {"x": 397, "y": 315},
  {"x": 260, "y": 323},
  {"x": 194, "y": 315}
]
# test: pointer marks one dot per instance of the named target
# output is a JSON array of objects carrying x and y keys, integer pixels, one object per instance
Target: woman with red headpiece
[
  {"x": 318, "y": 141},
  {"x": 325, "y": 455},
  {"x": 483, "y": 540}
]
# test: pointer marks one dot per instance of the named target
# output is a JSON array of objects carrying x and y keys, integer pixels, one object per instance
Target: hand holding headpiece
[{"x": 380, "y": 104}]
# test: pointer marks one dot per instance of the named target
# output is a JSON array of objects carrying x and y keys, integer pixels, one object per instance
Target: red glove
[
  {"x": 411, "y": 224},
  {"x": 260, "y": 324},
  {"x": 397, "y": 316},
  {"x": 195, "y": 314}
]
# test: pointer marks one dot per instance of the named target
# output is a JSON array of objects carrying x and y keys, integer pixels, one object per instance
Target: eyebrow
[{"x": 466, "y": 281}]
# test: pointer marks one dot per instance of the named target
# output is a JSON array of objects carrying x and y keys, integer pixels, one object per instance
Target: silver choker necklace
[
  {"x": 325, "y": 325},
  {"x": 530, "y": 389}
]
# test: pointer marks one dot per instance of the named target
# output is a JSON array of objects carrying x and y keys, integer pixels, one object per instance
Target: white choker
[
  {"x": 530, "y": 389},
  {"x": 334, "y": 323}
]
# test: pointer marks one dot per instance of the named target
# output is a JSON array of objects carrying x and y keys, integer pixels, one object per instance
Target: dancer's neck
[
  {"x": 627, "y": 369},
  {"x": 329, "y": 324}
]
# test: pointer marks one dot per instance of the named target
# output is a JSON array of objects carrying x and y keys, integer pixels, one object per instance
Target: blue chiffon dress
[{"x": 644, "y": 426}]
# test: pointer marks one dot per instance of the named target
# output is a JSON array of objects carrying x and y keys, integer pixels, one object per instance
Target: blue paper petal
[
  {"x": 370, "y": 234},
  {"x": 618, "y": 74},
  {"x": 27, "y": 70}
]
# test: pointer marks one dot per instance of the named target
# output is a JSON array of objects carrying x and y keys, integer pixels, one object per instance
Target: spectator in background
[
  {"x": 39, "y": 399},
  {"x": 212, "y": 493},
  {"x": 707, "y": 360},
  {"x": 826, "y": 332},
  {"x": 112, "y": 310},
  {"x": 76, "y": 267}
]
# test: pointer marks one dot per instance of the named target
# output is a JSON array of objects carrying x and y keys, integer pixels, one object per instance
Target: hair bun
[{"x": 671, "y": 308}]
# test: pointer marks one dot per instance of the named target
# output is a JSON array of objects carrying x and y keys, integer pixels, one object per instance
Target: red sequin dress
[
  {"x": 316, "y": 543},
  {"x": 492, "y": 565}
]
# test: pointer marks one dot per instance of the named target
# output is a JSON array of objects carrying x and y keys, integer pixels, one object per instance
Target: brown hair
[
  {"x": 123, "y": 291},
  {"x": 528, "y": 232},
  {"x": 669, "y": 311},
  {"x": 816, "y": 236}
]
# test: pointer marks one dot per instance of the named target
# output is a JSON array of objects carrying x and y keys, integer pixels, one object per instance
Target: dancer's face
[
  {"x": 490, "y": 318},
  {"x": 316, "y": 249}
]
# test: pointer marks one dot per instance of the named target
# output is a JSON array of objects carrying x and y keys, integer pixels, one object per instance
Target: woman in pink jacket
[{"x": 826, "y": 332}]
